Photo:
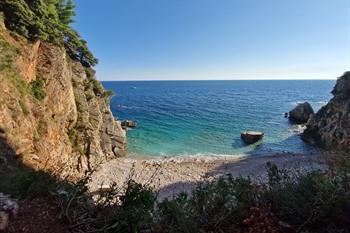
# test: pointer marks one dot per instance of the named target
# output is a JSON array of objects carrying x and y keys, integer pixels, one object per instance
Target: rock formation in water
[
  {"x": 53, "y": 111},
  {"x": 301, "y": 113},
  {"x": 330, "y": 126}
]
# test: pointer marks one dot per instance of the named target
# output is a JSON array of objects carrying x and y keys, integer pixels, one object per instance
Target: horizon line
[{"x": 170, "y": 80}]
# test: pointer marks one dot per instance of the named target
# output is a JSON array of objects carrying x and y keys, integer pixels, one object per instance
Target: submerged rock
[
  {"x": 128, "y": 124},
  {"x": 301, "y": 113},
  {"x": 330, "y": 126},
  {"x": 250, "y": 137}
]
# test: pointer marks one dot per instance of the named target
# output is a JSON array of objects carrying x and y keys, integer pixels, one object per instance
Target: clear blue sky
[{"x": 217, "y": 39}]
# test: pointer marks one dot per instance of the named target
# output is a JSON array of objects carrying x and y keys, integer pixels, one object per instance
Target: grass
[{"x": 18, "y": 83}]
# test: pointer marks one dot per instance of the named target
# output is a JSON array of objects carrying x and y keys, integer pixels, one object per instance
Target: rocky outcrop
[
  {"x": 301, "y": 113},
  {"x": 330, "y": 126},
  {"x": 128, "y": 124},
  {"x": 53, "y": 111}
]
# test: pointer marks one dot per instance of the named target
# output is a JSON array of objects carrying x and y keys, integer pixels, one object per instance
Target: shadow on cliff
[
  {"x": 21, "y": 181},
  {"x": 39, "y": 210}
]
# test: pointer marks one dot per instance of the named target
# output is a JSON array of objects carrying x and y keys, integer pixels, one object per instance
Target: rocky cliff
[
  {"x": 330, "y": 126},
  {"x": 53, "y": 111}
]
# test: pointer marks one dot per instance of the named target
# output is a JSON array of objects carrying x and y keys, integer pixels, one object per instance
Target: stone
[
  {"x": 301, "y": 113},
  {"x": 250, "y": 137},
  {"x": 8, "y": 207},
  {"x": 330, "y": 126},
  {"x": 128, "y": 124}
]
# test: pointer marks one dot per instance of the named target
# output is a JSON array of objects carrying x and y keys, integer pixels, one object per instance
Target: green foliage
[
  {"x": 287, "y": 202},
  {"x": 108, "y": 93},
  {"x": 177, "y": 214},
  {"x": 96, "y": 86},
  {"x": 135, "y": 210},
  {"x": 213, "y": 207},
  {"x": 66, "y": 11},
  {"x": 7, "y": 54},
  {"x": 37, "y": 89},
  {"x": 50, "y": 21},
  {"x": 308, "y": 201}
]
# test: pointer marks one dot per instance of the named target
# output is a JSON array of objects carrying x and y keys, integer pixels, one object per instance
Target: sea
[{"x": 205, "y": 118}]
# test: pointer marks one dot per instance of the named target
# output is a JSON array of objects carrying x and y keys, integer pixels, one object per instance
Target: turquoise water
[{"x": 206, "y": 117}]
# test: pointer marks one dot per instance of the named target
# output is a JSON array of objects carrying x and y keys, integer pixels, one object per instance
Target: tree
[
  {"x": 48, "y": 20},
  {"x": 66, "y": 11}
]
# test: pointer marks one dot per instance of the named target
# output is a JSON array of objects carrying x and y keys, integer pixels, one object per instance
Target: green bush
[
  {"x": 136, "y": 209},
  {"x": 108, "y": 93},
  {"x": 308, "y": 201},
  {"x": 37, "y": 89}
]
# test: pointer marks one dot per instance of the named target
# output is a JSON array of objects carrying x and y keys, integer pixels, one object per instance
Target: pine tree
[
  {"x": 66, "y": 11},
  {"x": 48, "y": 20}
]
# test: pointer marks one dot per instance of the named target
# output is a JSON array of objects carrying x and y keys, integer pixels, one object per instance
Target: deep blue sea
[{"x": 184, "y": 118}]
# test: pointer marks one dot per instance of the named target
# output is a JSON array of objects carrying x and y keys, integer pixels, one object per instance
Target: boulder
[
  {"x": 128, "y": 124},
  {"x": 301, "y": 113},
  {"x": 330, "y": 126},
  {"x": 250, "y": 137}
]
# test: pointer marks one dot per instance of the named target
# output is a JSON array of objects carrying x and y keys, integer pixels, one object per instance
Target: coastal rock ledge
[{"x": 330, "y": 126}]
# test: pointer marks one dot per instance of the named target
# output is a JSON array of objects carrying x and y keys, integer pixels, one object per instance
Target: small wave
[
  {"x": 311, "y": 102},
  {"x": 123, "y": 106},
  {"x": 185, "y": 156},
  {"x": 297, "y": 129},
  {"x": 197, "y": 157},
  {"x": 299, "y": 102}
]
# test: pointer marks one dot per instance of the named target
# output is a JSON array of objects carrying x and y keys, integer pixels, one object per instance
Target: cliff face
[
  {"x": 53, "y": 111},
  {"x": 330, "y": 126}
]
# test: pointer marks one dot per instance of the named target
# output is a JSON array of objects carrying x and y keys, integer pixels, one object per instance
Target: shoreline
[{"x": 171, "y": 176}]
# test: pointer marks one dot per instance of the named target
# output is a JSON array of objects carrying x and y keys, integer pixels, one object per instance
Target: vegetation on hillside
[
  {"x": 47, "y": 20},
  {"x": 318, "y": 201}
]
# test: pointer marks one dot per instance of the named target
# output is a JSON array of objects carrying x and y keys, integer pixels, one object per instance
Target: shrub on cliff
[{"x": 37, "y": 89}]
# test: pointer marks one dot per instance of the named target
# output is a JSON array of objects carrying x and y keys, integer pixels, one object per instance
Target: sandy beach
[{"x": 170, "y": 176}]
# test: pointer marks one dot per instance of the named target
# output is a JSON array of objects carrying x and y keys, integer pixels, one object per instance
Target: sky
[{"x": 216, "y": 39}]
